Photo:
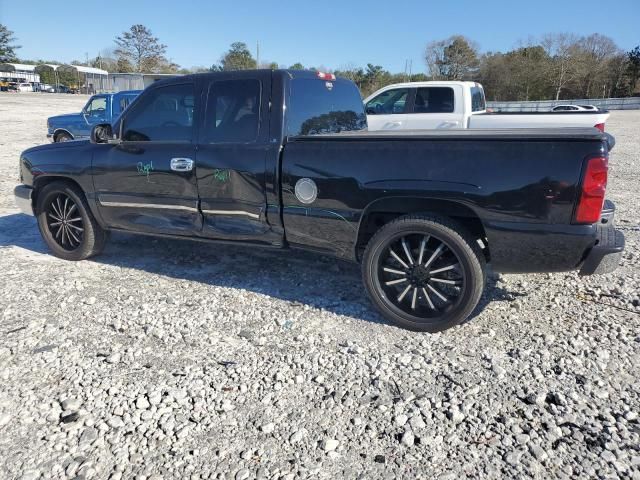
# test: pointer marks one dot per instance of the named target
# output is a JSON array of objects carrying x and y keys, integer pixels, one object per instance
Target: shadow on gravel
[
  {"x": 21, "y": 231},
  {"x": 492, "y": 293},
  {"x": 297, "y": 277}
]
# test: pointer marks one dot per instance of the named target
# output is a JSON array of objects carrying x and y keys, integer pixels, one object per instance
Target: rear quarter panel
[{"x": 523, "y": 191}]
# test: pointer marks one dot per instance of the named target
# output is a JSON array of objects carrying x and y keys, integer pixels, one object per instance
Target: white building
[
  {"x": 87, "y": 79},
  {"x": 134, "y": 81},
  {"x": 18, "y": 72}
]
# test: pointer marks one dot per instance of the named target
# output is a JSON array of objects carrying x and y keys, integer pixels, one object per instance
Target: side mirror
[{"x": 101, "y": 133}]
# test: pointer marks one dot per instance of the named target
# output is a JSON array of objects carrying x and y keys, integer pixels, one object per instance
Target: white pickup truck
[{"x": 447, "y": 104}]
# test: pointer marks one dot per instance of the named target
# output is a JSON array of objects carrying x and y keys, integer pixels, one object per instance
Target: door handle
[
  {"x": 393, "y": 124},
  {"x": 449, "y": 124},
  {"x": 181, "y": 164}
]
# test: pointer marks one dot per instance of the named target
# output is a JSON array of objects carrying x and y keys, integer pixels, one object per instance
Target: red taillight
[
  {"x": 600, "y": 126},
  {"x": 326, "y": 76},
  {"x": 592, "y": 192}
]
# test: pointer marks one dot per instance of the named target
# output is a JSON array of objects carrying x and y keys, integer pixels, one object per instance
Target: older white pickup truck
[{"x": 452, "y": 105}]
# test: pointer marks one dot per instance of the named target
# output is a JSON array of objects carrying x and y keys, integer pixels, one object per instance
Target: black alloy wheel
[
  {"x": 65, "y": 222},
  {"x": 424, "y": 272},
  {"x": 420, "y": 275}
]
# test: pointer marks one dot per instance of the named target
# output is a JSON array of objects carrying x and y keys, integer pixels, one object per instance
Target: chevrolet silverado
[{"x": 282, "y": 159}]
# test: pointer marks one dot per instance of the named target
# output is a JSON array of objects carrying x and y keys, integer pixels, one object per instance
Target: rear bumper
[
  {"x": 605, "y": 255},
  {"x": 23, "y": 195},
  {"x": 557, "y": 247}
]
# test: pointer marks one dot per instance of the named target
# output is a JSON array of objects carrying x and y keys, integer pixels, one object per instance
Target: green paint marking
[
  {"x": 145, "y": 168},
  {"x": 221, "y": 175}
]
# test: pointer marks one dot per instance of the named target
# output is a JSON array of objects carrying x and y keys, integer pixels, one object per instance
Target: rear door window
[
  {"x": 233, "y": 112},
  {"x": 125, "y": 101},
  {"x": 164, "y": 114},
  {"x": 434, "y": 100}
]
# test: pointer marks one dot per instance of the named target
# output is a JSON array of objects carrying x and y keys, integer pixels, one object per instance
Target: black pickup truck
[{"x": 283, "y": 159}]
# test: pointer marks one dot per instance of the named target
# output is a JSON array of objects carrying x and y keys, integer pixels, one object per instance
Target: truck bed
[{"x": 522, "y": 183}]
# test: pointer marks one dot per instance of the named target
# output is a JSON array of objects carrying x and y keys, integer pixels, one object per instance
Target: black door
[
  {"x": 232, "y": 152},
  {"x": 147, "y": 182}
]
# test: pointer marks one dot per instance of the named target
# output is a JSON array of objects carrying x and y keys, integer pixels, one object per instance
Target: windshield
[{"x": 319, "y": 106}]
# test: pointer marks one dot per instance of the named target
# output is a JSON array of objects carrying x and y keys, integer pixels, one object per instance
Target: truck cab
[
  {"x": 424, "y": 105},
  {"x": 101, "y": 108}
]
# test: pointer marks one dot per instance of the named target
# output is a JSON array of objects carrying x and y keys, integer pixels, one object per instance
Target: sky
[{"x": 316, "y": 33}]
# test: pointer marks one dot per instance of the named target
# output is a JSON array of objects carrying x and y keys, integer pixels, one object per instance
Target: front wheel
[
  {"x": 424, "y": 273},
  {"x": 63, "y": 137},
  {"x": 66, "y": 222}
]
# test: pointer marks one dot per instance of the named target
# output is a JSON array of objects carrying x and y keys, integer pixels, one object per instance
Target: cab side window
[
  {"x": 164, "y": 114},
  {"x": 434, "y": 100},
  {"x": 233, "y": 112},
  {"x": 389, "y": 102}
]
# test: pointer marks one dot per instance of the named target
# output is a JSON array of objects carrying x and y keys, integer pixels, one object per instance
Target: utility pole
[{"x": 258, "y": 54}]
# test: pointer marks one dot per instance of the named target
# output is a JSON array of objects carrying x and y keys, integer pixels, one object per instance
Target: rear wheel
[
  {"x": 67, "y": 224},
  {"x": 424, "y": 273}
]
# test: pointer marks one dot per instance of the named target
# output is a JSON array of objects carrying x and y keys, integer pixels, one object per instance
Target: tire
[
  {"x": 431, "y": 295},
  {"x": 66, "y": 223},
  {"x": 63, "y": 137}
]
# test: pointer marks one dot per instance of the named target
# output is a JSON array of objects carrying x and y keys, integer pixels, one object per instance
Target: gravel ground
[{"x": 164, "y": 359}]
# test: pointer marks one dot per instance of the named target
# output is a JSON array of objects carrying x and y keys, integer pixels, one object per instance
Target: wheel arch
[
  {"x": 58, "y": 131},
  {"x": 93, "y": 236},
  {"x": 382, "y": 211},
  {"x": 43, "y": 180}
]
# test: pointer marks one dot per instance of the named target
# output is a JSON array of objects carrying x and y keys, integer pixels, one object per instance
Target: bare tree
[
  {"x": 563, "y": 65},
  {"x": 434, "y": 58},
  {"x": 139, "y": 49},
  {"x": 455, "y": 58},
  {"x": 593, "y": 54}
]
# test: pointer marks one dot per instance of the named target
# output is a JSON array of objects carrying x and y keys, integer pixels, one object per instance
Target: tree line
[{"x": 554, "y": 66}]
